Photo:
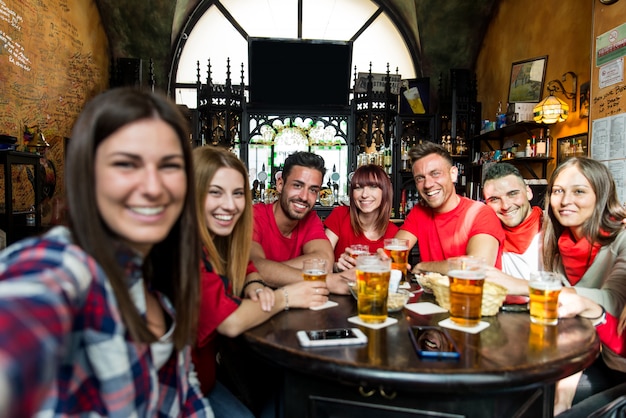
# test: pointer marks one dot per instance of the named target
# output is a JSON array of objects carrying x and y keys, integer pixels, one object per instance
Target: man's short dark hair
[
  {"x": 304, "y": 159},
  {"x": 499, "y": 170},
  {"x": 425, "y": 149}
]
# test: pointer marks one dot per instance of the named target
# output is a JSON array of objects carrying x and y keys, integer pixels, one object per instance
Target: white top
[
  {"x": 162, "y": 349},
  {"x": 520, "y": 265}
]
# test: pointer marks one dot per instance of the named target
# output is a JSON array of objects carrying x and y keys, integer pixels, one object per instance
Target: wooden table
[{"x": 507, "y": 370}]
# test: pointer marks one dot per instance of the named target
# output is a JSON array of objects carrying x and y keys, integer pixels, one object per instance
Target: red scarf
[
  {"x": 518, "y": 238},
  {"x": 576, "y": 256}
]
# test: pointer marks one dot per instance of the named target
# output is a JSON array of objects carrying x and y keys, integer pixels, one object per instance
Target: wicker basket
[{"x": 493, "y": 294}]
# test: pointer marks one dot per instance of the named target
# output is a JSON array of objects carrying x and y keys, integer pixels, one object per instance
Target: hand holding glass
[
  {"x": 544, "y": 288},
  {"x": 467, "y": 277},
  {"x": 372, "y": 278},
  {"x": 314, "y": 269}
]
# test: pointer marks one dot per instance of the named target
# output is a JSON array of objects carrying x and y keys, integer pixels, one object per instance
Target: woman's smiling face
[
  {"x": 140, "y": 190},
  {"x": 367, "y": 198},
  {"x": 572, "y": 200},
  {"x": 225, "y": 201}
]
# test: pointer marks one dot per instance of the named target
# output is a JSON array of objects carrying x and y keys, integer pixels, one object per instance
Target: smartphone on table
[
  {"x": 331, "y": 337},
  {"x": 433, "y": 342}
]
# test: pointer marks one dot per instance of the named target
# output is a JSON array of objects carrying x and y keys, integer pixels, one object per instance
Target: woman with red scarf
[{"x": 584, "y": 239}]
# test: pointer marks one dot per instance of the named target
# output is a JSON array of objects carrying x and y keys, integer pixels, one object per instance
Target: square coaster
[
  {"x": 328, "y": 304},
  {"x": 447, "y": 323},
  {"x": 424, "y": 308},
  {"x": 356, "y": 320}
]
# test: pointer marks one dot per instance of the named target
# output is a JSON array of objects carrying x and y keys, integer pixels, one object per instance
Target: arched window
[{"x": 219, "y": 29}]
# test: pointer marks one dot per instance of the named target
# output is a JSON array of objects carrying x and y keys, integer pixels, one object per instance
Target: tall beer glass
[
  {"x": 372, "y": 278},
  {"x": 398, "y": 250},
  {"x": 467, "y": 277}
]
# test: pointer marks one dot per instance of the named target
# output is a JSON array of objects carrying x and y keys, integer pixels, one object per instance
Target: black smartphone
[
  {"x": 433, "y": 343},
  {"x": 515, "y": 303},
  {"x": 330, "y": 337}
]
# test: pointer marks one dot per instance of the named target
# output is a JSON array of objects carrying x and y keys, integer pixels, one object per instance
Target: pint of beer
[
  {"x": 359, "y": 249},
  {"x": 467, "y": 277},
  {"x": 398, "y": 250},
  {"x": 372, "y": 278},
  {"x": 544, "y": 288},
  {"x": 314, "y": 269}
]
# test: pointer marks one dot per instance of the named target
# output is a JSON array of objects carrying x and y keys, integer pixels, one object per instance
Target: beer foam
[
  {"x": 373, "y": 269},
  {"x": 396, "y": 248},
  {"x": 539, "y": 285},
  {"x": 467, "y": 274}
]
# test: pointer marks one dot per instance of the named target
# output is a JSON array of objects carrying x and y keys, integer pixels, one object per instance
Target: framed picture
[
  {"x": 413, "y": 91},
  {"x": 584, "y": 100},
  {"x": 527, "y": 79},
  {"x": 571, "y": 146}
]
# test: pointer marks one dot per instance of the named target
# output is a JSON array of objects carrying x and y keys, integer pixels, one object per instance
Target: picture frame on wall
[
  {"x": 527, "y": 80},
  {"x": 584, "y": 100},
  {"x": 571, "y": 146},
  {"x": 420, "y": 89}
]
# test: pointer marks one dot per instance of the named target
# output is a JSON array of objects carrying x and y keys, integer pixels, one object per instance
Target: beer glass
[
  {"x": 372, "y": 278},
  {"x": 544, "y": 288},
  {"x": 359, "y": 249},
  {"x": 467, "y": 277},
  {"x": 314, "y": 269},
  {"x": 398, "y": 250}
]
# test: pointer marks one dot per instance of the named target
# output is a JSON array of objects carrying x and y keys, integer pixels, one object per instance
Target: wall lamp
[{"x": 552, "y": 109}]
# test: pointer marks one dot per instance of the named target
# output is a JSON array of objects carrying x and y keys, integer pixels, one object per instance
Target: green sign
[{"x": 611, "y": 45}]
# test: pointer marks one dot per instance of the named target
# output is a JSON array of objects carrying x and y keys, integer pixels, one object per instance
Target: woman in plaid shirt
[{"x": 96, "y": 317}]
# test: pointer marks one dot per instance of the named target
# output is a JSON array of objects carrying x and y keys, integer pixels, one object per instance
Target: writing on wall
[
  {"x": 53, "y": 58},
  {"x": 610, "y": 101}
]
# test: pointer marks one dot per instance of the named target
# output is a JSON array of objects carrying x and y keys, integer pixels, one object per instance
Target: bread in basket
[{"x": 493, "y": 294}]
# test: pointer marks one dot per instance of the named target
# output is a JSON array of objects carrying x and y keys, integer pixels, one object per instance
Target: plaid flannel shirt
[{"x": 64, "y": 350}]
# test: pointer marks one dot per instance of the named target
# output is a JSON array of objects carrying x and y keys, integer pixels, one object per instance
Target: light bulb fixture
[{"x": 552, "y": 109}]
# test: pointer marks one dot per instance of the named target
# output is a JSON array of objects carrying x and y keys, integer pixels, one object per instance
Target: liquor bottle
[
  {"x": 409, "y": 202},
  {"x": 541, "y": 146},
  {"x": 500, "y": 117},
  {"x": 580, "y": 152},
  {"x": 387, "y": 157},
  {"x": 548, "y": 142},
  {"x": 533, "y": 146},
  {"x": 404, "y": 155},
  {"x": 528, "y": 152}
]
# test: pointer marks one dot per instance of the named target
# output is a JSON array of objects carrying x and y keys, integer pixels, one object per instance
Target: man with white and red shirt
[
  {"x": 508, "y": 195},
  {"x": 446, "y": 224}
]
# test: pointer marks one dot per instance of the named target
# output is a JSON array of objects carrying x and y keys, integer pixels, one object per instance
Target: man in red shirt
[
  {"x": 288, "y": 231},
  {"x": 445, "y": 224}
]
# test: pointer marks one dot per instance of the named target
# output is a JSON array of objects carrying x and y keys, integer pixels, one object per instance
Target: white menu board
[{"x": 608, "y": 145}]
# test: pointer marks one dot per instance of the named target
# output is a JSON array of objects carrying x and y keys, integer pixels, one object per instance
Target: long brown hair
[
  {"x": 172, "y": 266},
  {"x": 606, "y": 220},
  {"x": 228, "y": 255},
  {"x": 371, "y": 175}
]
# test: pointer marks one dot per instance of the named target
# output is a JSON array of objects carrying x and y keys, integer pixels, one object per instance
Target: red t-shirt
[
  {"x": 444, "y": 235},
  {"x": 339, "y": 222},
  {"x": 277, "y": 247},
  {"x": 217, "y": 303}
]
